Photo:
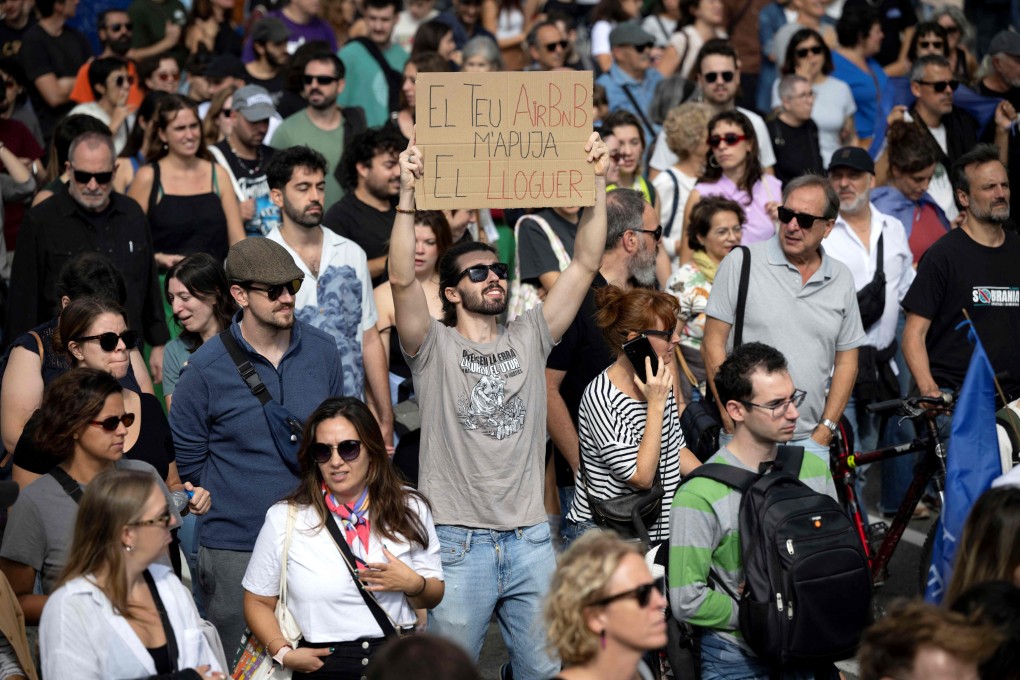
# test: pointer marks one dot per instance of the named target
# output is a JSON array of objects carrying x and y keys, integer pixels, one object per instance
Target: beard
[
  {"x": 302, "y": 217},
  {"x": 999, "y": 217},
  {"x": 120, "y": 46},
  {"x": 480, "y": 304},
  {"x": 642, "y": 266}
]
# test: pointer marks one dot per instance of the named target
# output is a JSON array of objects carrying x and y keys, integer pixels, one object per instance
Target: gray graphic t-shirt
[{"x": 483, "y": 424}]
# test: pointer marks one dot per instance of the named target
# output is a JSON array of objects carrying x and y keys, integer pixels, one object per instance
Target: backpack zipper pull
[
  {"x": 779, "y": 601},
  {"x": 789, "y": 611},
  {"x": 789, "y": 545}
]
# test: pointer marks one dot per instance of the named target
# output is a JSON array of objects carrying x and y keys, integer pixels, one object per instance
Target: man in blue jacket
[{"x": 224, "y": 436}]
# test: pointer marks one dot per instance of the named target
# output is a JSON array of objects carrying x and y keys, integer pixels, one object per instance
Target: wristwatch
[
  {"x": 282, "y": 652},
  {"x": 832, "y": 427}
]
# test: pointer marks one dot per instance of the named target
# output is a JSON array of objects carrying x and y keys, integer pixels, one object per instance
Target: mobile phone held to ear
[{"x": 636, "y": 350}]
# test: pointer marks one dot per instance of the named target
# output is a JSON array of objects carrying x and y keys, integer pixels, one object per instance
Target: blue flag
[{"x": 972, "y": 463}]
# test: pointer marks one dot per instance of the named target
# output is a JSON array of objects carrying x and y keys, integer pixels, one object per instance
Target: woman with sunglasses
[
  {"x": 809, "y": 57},
  {"x": 700, "y": 21},
  {"x": 180, "y": 188},
  {"x": 159, "y": 73},
  {"x": 348, "y": 490},
  {"x": 118, "y": 613},
  {"x": 733, "y": 171},
  {"x": 629, "y": 429},
  {"x": 219, "y": 120},
  {"x": 84, "y": 424},
  {"x": 958, "y": 34},
  {"x": 604, "y": 610},
  {"x": 111, "y": 84}
]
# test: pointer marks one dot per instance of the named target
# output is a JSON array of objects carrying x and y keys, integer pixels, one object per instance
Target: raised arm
[
  {"x": 410, "y": 306},
  {"x": 565, "y": 298}
]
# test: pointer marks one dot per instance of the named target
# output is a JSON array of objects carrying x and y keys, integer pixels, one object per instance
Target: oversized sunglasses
[
  {"x": 274, "y": 292},
  {"x": 805, "y": 220},
  {"x": 82, "y": 177},
  {"x": 480, "y": 272},
  {"x": 712, "y": 76},
  {"x": 643, "y": 594},
  {"x": 558, "y": 45},
  {"x": 941, "y": 85},
  {"x": 802, "y": 52},
  {"x": 731, "y": 139},
  {"x": 349, "y": 450},
  {"x": 320, "y": 80},
  {"x": 109, "y": 341},
  {"x": 110, "y": 424},
  {"x": 120, "y": 81}
]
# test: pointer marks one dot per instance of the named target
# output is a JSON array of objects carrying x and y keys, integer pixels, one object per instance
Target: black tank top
[{"x": 182, "y": 225}]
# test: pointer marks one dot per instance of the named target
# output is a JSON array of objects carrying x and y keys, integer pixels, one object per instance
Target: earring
[
  {"x": 165, "y": 147},
  {"x": 128, "y": 548},
  {"x": 602, "y": 638},
  {"x": 712, "y": 161}
]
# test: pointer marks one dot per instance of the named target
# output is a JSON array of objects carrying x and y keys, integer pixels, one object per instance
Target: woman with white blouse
[{"x": 346, "y": 478}]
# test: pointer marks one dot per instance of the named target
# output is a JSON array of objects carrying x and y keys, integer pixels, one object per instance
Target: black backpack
[{"x": 807, "y": 592}]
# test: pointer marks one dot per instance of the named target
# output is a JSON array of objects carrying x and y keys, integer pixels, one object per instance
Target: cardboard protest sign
[{"x": 504, "y": 140}]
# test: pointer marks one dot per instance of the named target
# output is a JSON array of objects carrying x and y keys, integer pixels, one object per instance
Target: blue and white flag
[{"x": 971, "y": 465}]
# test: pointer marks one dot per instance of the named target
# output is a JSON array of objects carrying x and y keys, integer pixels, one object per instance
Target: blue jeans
[
  {"x": 573, "y": 531},
  {"x": 724, "y": 660},
  {"x": 506, "y": 572}
]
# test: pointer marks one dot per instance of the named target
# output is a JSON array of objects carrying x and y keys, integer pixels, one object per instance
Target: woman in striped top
[{"x": 629, "y": 429}]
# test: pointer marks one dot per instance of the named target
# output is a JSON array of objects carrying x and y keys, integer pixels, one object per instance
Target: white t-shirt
[
  {"x": 663, "y": 158},
  {"x": 96, "y": 111},
  {"x": 665, "y": 187},
  {"x": 600, "y": 37},
  {"x": 322, "y": 597}
]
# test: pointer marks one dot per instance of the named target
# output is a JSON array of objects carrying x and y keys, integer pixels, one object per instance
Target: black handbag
[
  {"x": 871, "y": 298},
  {"x": 629, "y": 515}
]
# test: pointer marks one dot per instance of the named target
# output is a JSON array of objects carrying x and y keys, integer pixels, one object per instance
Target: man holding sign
[{"x": 481, "y": 388}]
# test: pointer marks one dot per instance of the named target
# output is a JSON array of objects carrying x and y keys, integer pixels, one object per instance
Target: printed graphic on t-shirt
[
  {"x": 485, "y": 407},
  {"x": 995, "y": 296}
]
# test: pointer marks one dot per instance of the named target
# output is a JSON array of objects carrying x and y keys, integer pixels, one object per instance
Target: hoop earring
[{"x": 712, "y": 162}]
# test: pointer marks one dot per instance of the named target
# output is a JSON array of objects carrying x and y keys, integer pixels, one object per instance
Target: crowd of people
[{"x": 239, "y": 358}]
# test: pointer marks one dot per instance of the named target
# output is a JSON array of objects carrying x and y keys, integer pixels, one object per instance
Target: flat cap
[
  {"x": 1005, "y": 42},
  {"x": 629, "y": 33},
  {"x": 259, "y": 260},
  {"x": 270, "y": 30}
]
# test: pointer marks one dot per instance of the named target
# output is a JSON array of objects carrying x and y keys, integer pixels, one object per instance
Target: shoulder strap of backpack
[
  {"x": 731, "y": 476},
  {"x": 676, "y": 201},
  {"x": 245, "y": 368},
  {"x": 880, "y": 264},
  {"x": 789, "y": 459},
  {"x": 745, "y": 277},
  {"x": 637, "y": 107},
  {"x": 393, "y": 79},
  {"x": 67, "y": 483}
]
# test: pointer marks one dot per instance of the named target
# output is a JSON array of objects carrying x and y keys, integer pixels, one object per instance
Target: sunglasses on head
[
  {"x": 116, "y": 27},
  {"x": 712, "y": 76},
  {"x": 480, "y": 272},
  {"x": 82, "y": 177},
  {"x": 274, "y": 292},
  {"x": 167, "y": 77},
  {"x": 731, "y": 139},
  {"x": 119, "y": 81},
  {"x": 802, "y": 52},
  {"x": 804, "y": 220},
  {"x": 930, "y": 44},
  {"x": 348, "y": 449},
  {"x": 113, "y": 422},
  {"x": 643, "y": 595},
  {"x": 559, "y": 44},
  {"x": 941, "y": 85},
  {"x": 108, "y": 341},
  {"x": 320, "y": 80}
]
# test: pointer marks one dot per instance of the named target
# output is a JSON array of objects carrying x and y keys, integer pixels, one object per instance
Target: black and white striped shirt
[{"x": 610, "y": 428}]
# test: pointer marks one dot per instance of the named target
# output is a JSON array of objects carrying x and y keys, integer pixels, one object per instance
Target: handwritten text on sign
[{"x": 504, "y": 140}]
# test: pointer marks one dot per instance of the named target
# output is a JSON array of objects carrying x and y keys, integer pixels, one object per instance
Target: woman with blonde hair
[
  {"x": 604, "y": 610},
  {"x": 219, "y": 118},
  {"x": 686, "y": 132}
]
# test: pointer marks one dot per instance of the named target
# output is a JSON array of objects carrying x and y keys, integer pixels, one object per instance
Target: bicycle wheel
[{"x": 926, "y": 550}]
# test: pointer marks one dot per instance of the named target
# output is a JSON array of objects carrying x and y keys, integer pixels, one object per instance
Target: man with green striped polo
[{"x": 756, "y": 389}]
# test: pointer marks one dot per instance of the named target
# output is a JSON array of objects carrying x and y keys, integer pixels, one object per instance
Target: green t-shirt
[
  {"x": 149, "y": 19},
  {"x": 298, "y": 130},
  {"x": 366, "y": 83}
]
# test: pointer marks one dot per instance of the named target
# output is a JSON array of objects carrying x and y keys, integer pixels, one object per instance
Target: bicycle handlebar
[{"x": 893, "y": 405}]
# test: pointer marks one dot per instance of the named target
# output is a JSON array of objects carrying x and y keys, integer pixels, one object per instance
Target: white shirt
[
  {"x": 843, "y": 244},
  {"x": 81, "y": 637},
  {"x": 320, "y": 593},
  {"x": 663, "y": 158}
]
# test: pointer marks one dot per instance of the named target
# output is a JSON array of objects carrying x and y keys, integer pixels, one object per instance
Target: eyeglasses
[
  {"x": 778, "y": 408},
  {"x": 115, "y": 28},
  {"x": 82, "y": 177},
  {"x": 558, "y": 45},
  {"x": 109, "y": 341},
  {"x": 643, "y": 594},
  {"x": 930, "y": 44},
  {"x": 807, "y": 94},
  {"x": 805, "y": 220},
  {"x": 480, "y": 272},
  {"x": 712, "y": 76},
  {"x": 165, "y": 77},
  {"x": 731, "y": 139},
  {"x": 940, "y": 85},
  {"x": 119, "y": 81},
  {"x": 802, "y": 52},
  {"x": 113, "y": 422},
  {"x": 665, "y": 335},
  {"x": 348, "y": 449},
  {"x": 320, "y": 80},
  {"x": 274, "y": 292},
  {"x": 654, "y": 233},
  {"x": 226, "y": 111},
  {"x": 161, "y": 521}
]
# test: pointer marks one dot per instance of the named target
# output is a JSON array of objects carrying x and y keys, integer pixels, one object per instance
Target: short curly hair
[
  {"x": 584, "y": 571},
  {"x": 686, "y": 127}
]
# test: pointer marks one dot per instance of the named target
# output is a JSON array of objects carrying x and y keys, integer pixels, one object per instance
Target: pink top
[{"x": 759, "y": 225}]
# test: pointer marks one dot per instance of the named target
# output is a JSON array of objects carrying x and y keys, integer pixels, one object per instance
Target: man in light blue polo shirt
[
  {"x": 630, "y": 82},
  {"x": 800, "y": 301}
]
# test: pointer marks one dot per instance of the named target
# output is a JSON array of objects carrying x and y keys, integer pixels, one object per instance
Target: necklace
[{"x": 252, "y": 169}]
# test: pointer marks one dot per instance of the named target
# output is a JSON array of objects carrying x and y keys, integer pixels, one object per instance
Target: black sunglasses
[
  {"x": 349, "y": 450},
  {"x": 226, "y": 111},
  {"x": 642, "y": 48},
  {"x": 802, "y": 52},
  {"x": 82, "y": 177},
  {"x": 665, "y": 335},
  {"x": 941, "y": 85},
  {"x": 712, "y": 76},
  {"x": 731, "y": 139},
  {"x": 320, "y": 80},
  {"x": 654, "y": 233},
  {"x": 120, "y": 80},
  {"x": 643, "y": 594},
  {"x": 559, "y": 44},
  {"x": 805, "y": 220},
  {"x": 110, "y": 424},
  {"x": 116, "y": 27},
  {"x": 480, "y": 272},
  {"x": 930, "y": 44},
  {"x": 108, "y": 341},
  {"x": 274, "y": 292}
]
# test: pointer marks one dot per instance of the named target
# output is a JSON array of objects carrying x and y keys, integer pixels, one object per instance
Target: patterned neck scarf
[{"x": 354, "y": 519}]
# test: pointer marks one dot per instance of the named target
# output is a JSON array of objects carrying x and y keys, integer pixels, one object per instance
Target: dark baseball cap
[{"x": 853, "y": 157}]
